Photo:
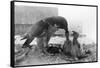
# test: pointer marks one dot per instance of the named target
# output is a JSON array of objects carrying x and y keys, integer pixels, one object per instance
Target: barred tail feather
[{"x": 24, "y": 36}]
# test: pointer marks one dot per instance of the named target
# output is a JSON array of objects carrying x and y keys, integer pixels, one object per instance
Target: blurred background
[
  {"x": 25, "y": 16},
  {"x": 80, "y": 18}
]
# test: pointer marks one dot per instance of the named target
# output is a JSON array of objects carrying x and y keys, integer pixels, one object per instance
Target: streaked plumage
[
  {"x": 75, "y": 47},
  {"x": 44, "y": 28}
]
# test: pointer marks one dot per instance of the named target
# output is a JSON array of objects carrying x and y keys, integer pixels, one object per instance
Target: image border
[{"x": 12, "y": 30}]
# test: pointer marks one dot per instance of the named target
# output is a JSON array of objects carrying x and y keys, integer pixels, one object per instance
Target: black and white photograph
[{"x": 49, "y": 34}]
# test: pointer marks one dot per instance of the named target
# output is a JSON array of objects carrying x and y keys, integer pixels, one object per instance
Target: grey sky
[{"x": 82, "y": 17}]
